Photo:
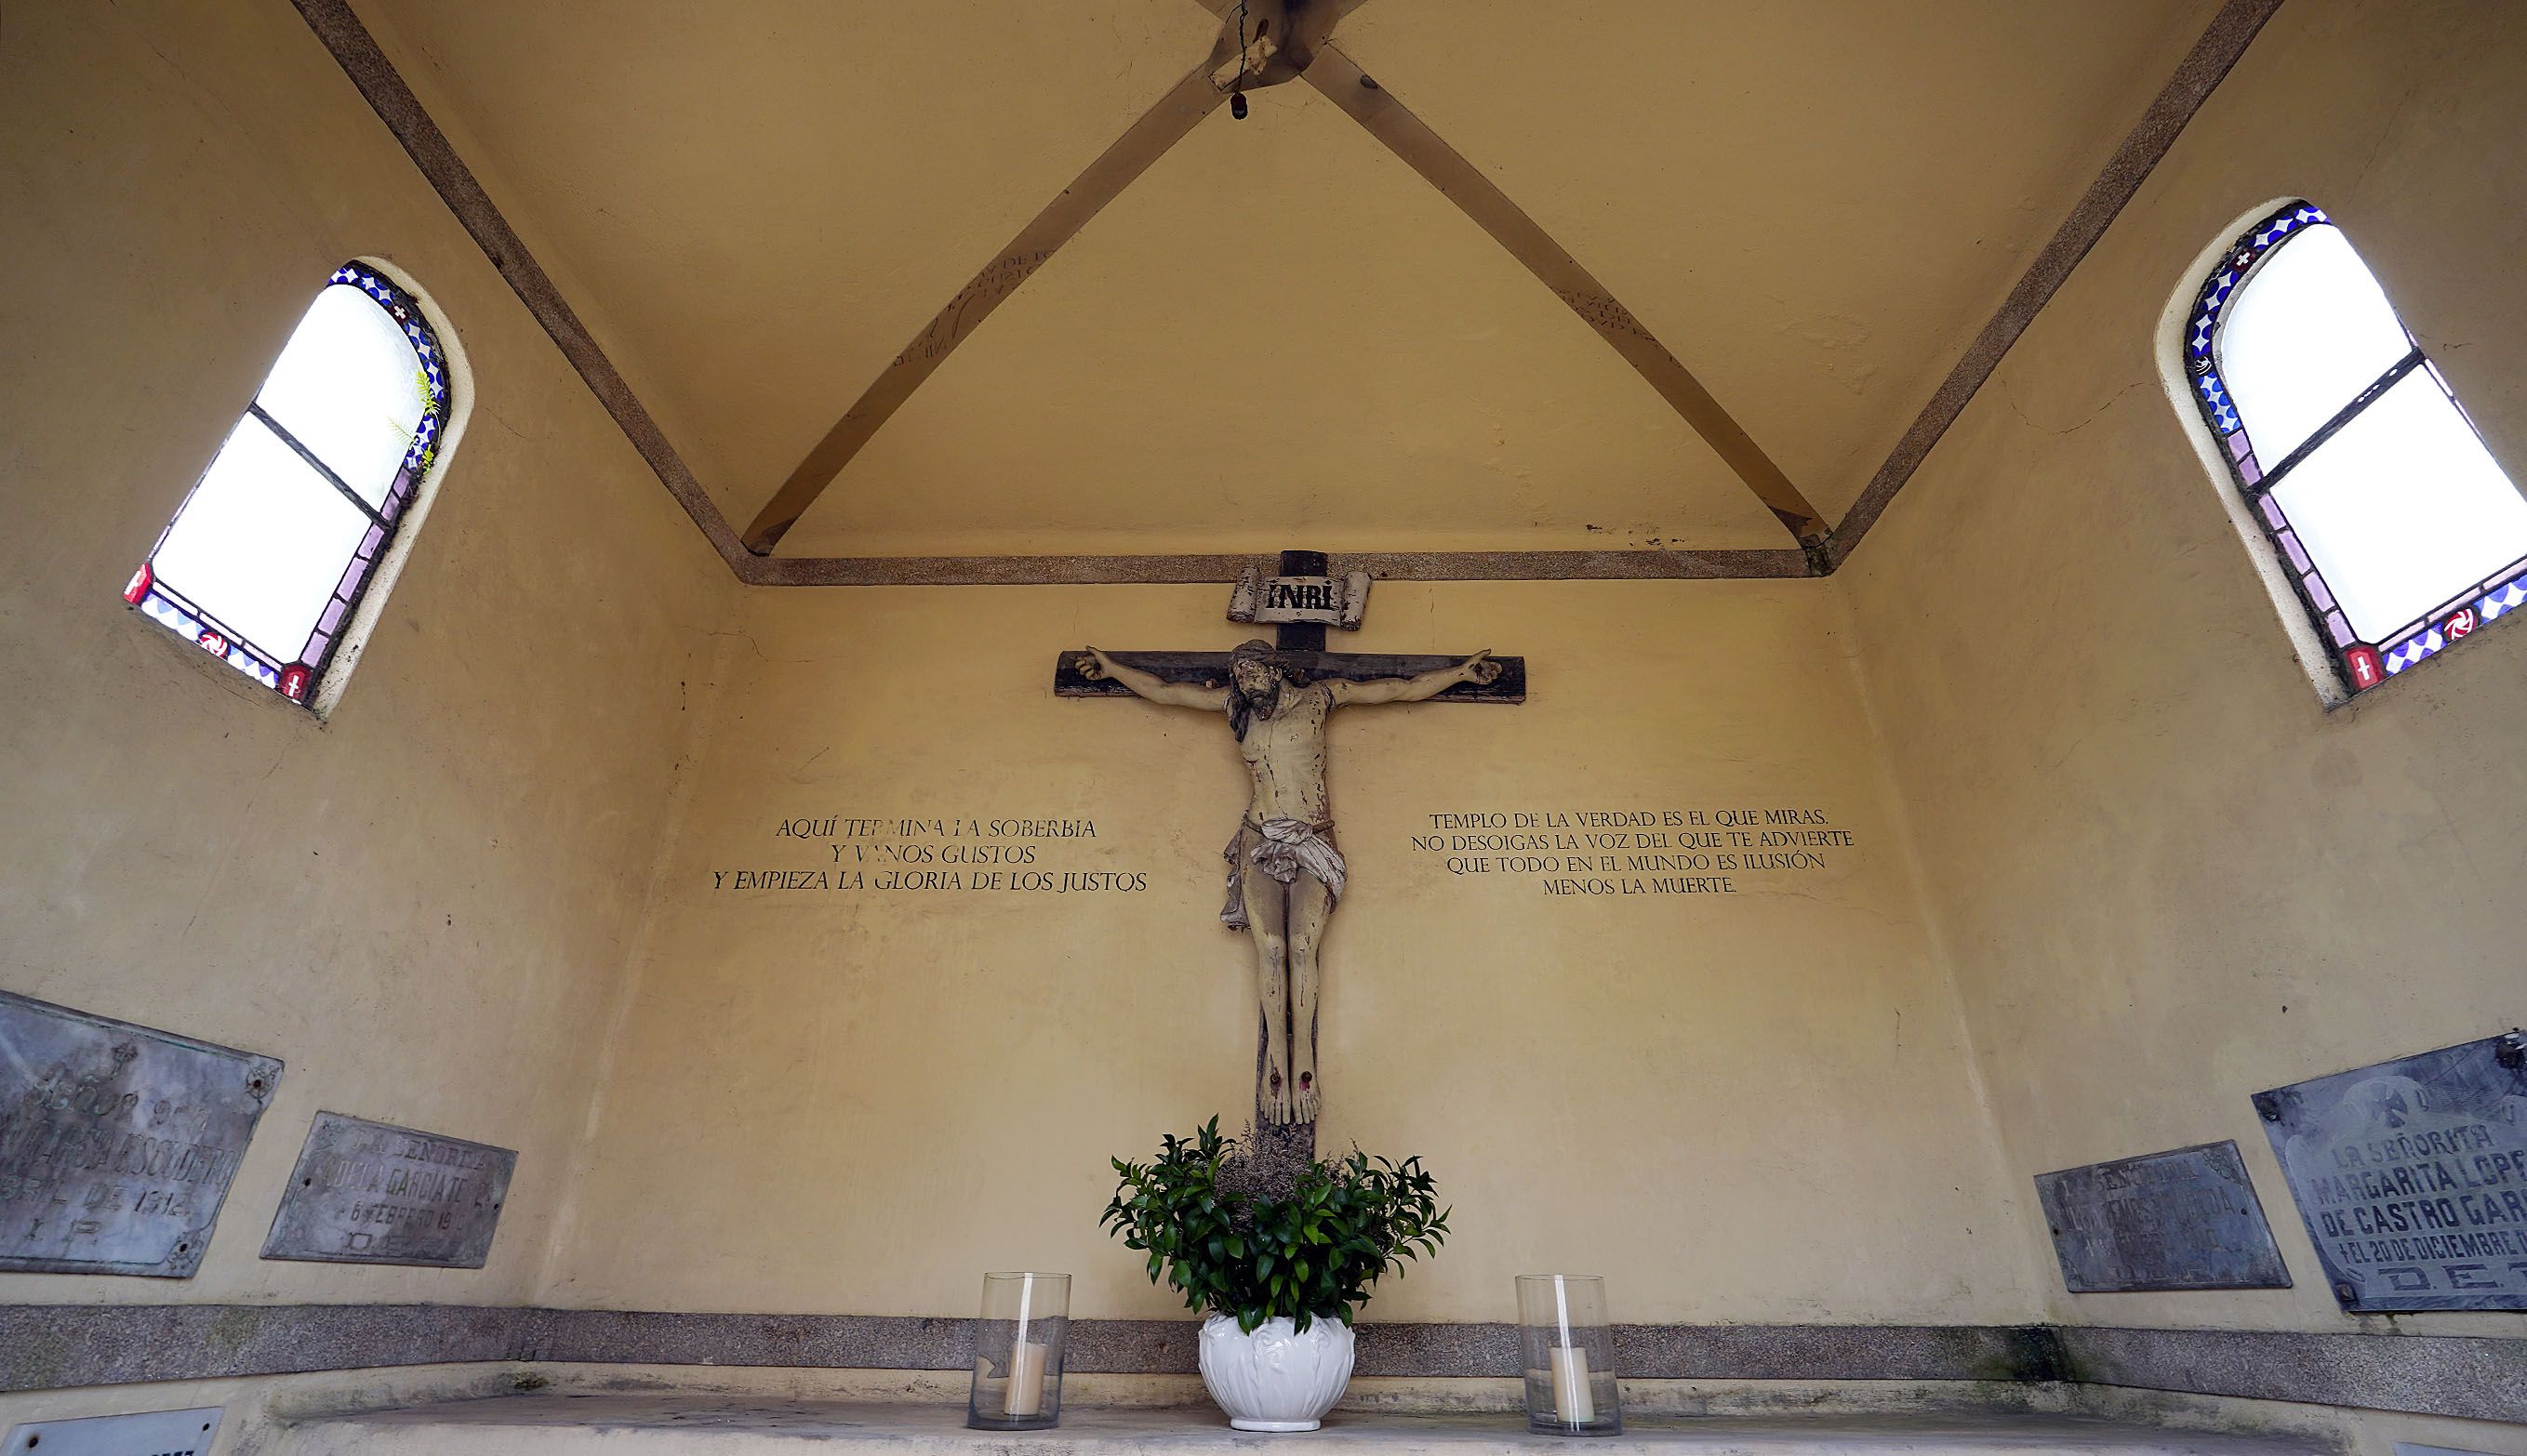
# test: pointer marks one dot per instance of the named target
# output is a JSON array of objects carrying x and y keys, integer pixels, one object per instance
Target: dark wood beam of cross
[
  {"x": 1279, "y": 1149},
  {"x": 1299, "y": 646}
]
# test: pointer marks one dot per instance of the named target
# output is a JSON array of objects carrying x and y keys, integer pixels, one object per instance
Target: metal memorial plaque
[
  {"x": 373, "y": 1193},
  {"x": 117, "y": 1141},
  {"x": 2412, "y": 1177},
  {"x": 2181, "y": 1219},
  {"x": 172, "y": 1433}
]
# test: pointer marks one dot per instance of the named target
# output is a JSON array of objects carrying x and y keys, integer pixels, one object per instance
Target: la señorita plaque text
[{"x": 2412, "y": 1176}]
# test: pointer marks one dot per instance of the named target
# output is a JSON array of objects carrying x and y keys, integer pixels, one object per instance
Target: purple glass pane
[
  {"x": 2238, "y": 445},
  {"x": 2250, "y": 471},
  {"x": 369, "y": 548},
  {"x": 2273, "y": 514},
  {"x": 2298, "y": 555},
  {"x": 2340, "y": 628},
  {"x": 332, "y": 618},
  {"x": 2317, "y": 593}
]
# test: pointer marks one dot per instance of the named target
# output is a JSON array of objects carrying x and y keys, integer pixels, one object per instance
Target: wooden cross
[{"x": 1301, "y": 602}]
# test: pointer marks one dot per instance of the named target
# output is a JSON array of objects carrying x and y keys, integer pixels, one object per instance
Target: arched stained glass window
[
  {"x": 265, "y": 563},
  {"x": 2398, "y": 530}
]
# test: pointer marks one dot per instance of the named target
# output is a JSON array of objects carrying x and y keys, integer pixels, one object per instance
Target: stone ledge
[
  {"x": 674, "y": 1423},
  {"x": 2482, "y": 1378},
  {"x": 59, "y": 1346}
]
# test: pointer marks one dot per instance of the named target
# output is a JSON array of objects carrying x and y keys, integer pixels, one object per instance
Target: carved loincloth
[{"x": 1280, "y": 849}]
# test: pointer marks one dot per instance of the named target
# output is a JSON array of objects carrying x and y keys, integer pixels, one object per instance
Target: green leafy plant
[{"x": 1309, "y": 1252}]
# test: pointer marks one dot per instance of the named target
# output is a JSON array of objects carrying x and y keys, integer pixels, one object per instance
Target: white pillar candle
[
  {"x": 1025, "y": 1395},
  {"x": 1572, "y": 1405}
]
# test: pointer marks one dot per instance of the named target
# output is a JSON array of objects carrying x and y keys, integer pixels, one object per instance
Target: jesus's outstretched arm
[
  {"x": 1156, "y": 689},
  {"x": 1478, "y": 668}
]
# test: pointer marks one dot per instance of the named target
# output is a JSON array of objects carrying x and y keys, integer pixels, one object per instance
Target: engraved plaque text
[
  {"x": 2412, "y": 1176},
  {"x": 371, "y": 1193},
  {"x": 117, "y": 1142},
  {"x": 2181, "y": 1219}
]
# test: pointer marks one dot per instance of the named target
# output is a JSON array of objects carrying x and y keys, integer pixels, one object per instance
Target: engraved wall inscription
[
  {"x": 373, "y": 1193},
  {"x": 964, "y": 855},
  {"x": 2411, "y": 1176},
  {"x": 1589, "y": 852},
  {"x": 2181, "y": 1219},
  {"x": 117, "y": 1141}
]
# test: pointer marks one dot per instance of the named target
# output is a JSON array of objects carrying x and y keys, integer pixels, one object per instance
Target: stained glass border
[
  {"x": 2359, "y": 665},
  {"x": 296, "y": 679}
]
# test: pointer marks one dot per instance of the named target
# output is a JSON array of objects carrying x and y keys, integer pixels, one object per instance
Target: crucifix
[{"x": 1285, "y": 876}]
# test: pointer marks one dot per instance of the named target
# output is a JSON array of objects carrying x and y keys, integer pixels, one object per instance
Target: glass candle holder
[
  {"x": 1018, "y": 1352},
  {"x": 1570, "y": 1355}
]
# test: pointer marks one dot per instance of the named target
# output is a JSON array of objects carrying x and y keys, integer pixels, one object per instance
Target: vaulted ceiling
[{"x": 1280, "y": 330}]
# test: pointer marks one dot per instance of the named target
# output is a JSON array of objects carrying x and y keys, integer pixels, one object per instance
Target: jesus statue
[{"x": 1284, "y": 873}]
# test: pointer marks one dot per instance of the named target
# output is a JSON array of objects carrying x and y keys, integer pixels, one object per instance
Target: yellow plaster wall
[
  {"x": 1748, "y": 1107},
  {"x": 424, "y": 904},
  {"x": 2169, "y": 877}
]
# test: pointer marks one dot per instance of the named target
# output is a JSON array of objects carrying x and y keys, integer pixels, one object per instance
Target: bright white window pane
[
  {"x": 262, "y": 541},
  {"x": 2404, "y": 508},
  {"x": 348, "y": 386},
  {"x": 2312, "y": 330}
]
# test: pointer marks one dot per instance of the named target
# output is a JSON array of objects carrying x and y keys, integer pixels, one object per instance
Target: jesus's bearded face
[{"x": 1260, "y": 684}]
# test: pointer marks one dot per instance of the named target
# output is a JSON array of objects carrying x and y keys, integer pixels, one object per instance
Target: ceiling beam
[
  {"x": 1409, "y": 139},
  {"x": 1159, "y": 128},
  {"x": 384, "y": 88},
  {"x": 341, "y": 32},
  {"x": 2221, "y": 44},
  {"x": 1387, "y": 566}
]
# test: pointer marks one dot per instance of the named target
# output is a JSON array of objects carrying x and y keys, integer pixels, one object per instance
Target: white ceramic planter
[{"x": 1276, "y": 1378}]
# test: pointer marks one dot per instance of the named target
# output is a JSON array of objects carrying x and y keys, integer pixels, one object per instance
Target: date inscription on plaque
[
  {"x": 117, "y": 1141},
  {"x": 368, "y": 1193},
  {"x": 2411, "y": 1176},
  {"x": 2181, "y": 1219}
]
